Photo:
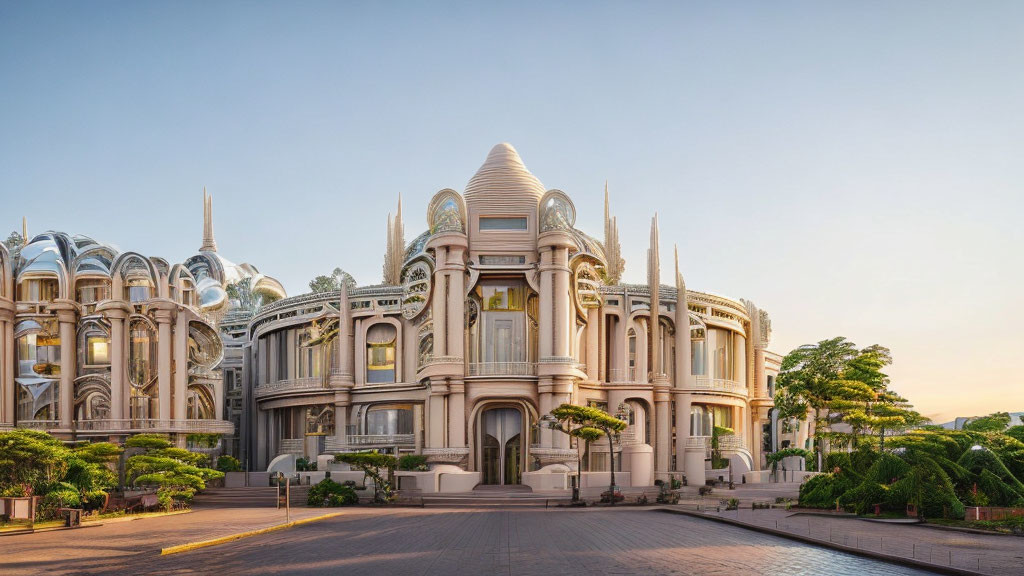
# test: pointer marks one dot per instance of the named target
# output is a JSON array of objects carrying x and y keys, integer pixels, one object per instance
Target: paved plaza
[{"x": 434, "y": 541}]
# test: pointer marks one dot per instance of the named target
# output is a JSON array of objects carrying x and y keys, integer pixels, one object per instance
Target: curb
[
  {"x": 232, "y": 537},
  {"x": 939, "y": 569}
]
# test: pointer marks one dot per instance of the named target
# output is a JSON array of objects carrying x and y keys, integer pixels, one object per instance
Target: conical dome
[{"x": 503, "y": 184}]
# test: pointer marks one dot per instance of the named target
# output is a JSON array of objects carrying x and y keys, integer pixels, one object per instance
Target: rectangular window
[
  {"x": 491, "y": 260},
  {"x": 502, "y": 223},
  {"x": 138, "y": 293},
  {"x": 97, "y": 350},
  {"x": 507, "y": 298}
]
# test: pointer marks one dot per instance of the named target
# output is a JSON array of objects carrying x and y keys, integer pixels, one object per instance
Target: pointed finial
[
  {"x": 24, "y": 231},
  {"x": 209, "y": 243}
]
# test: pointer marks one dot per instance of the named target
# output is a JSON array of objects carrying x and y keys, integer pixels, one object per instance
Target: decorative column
[
  {"x": 116, "y": 312},
  {"x": 563, "y": 306},
  {"x": 342, "y": 401},
  {"x": 593, "y": 343},
  {"x": 66, "y": 318},
  {"x": 8, "y": 370},
  {"x": 164, "y": 316},
  {"x": 181, "y": 368},
  {"x": 663, "y": 429},
  {"x": 683, "y": 379},
  {"x": 439, "y": 302},
  {"x": 545, "y": 328},
  {"x": 436, "y": 423},
  {"x": 456, "y": 413},
  {"x": 345, "y": 345}
]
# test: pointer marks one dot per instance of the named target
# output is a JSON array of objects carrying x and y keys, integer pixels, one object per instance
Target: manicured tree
[
  {"x": 573, "y": 416},
  {"x": 371, "y": 464},
  {"x": 178, "y": 473},
  {"x": 582, "y": 432}
]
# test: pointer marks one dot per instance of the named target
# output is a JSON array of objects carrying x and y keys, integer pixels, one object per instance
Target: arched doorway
[{"x": 501, "y": 446}]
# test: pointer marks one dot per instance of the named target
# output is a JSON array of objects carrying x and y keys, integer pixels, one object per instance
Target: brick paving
[{"x": 468, "y": 540}]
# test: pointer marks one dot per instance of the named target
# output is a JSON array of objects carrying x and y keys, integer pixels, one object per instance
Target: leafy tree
[
  {"x": 332, "y": 282},
  {"x": 371, "y": 464},
  {"x": 176, "y": 472},
  {"x": 14, "y": 242},
  {"x": 996, "y": 422},
  {"x": 809, "y": 373},
  {"x": 31, "y": 460},
  {"x": 579, "y": 417}
]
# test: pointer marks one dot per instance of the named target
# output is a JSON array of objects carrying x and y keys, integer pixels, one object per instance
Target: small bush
[
  {"x": 305, "y": 465},
  {"x": 228, "y": 464},
  {"x": 330, "y": 493},
  {"x": 732, "y": 504},
  {"x": 412, "y": 462},
  {"x": 149, "y": 441},
  {"x": 704, "y": 490}
]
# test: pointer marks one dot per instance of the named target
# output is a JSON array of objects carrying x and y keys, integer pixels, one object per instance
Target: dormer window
[
  {"x": 91, "y": 291},
  {"x": 137, "y": 289},
  {"x": 502, "y": 223},
  {"x": 38, "y": 290}
]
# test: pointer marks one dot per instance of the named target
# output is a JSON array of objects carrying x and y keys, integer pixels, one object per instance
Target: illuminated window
[
  {"x": 389, "y": 419},
  {"x": 504, "y": 297},
  {"x": 97, "y": 350},
  {"x": 380, "y": 354}
]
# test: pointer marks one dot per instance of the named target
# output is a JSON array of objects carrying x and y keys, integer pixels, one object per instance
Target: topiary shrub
[
  {"x": 148, "y": 441},
  {"x": 228, "y": 464},
  {"x": 330, "y": 493}
]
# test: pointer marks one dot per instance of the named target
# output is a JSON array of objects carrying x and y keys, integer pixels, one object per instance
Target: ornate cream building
[
  {"x": 499, "y": 312},
  {"x": 96, "y": 342}
]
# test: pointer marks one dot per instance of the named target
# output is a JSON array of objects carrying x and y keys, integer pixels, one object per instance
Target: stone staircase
[
  {"x": 248, "y": 497},
  {"x": 495, "y": 497}
]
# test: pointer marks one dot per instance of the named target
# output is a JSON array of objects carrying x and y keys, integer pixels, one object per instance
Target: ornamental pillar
[
  {"x": 439, "y": 303},
  {"x": 593, "y": 343},
  {"x": 456, "y": 302},
  {"x": 345, "y": 345},
  {"x": 66, "y": 318},
  {"x": 342, "y": 401},
  {"x": 544, "y": 386},
  {"x": 181, "y": 369},
  {"x": 8, "y": 394},
  {"x": 563, "y": 307},
  {"x": 663, "y": 430},
  {"x": 683, "y": 404},
  {"x": 545, "y": 328},
  {"x": 456, "y": 413},
  {"x": 117, "y": 380},
  {"x": 437, "y": 425},
  {"x": 164, "y": 315}
]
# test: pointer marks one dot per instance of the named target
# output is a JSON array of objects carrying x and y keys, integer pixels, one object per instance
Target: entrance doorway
[{"x": 501, "y": 453}]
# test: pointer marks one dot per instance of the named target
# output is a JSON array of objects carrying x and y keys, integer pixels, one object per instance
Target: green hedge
[{"x": 327, "y": 492}]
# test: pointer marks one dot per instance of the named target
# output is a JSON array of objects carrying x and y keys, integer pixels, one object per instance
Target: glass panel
[
  {"x": 698, "y": 356},
  {"x": 502, "y": 223},
  {"x": 97, "y": 350}
]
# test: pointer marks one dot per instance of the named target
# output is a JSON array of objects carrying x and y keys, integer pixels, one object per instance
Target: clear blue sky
[{"x": 855, "y": 168}]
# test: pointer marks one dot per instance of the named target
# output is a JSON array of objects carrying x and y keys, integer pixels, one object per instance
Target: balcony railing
[
  {"x": 720, "y": 385},
  {"x": 156, "y": 425},
  {"x": 294, "y": 385},
  {"x": 38, "y": 424},
  {"x": 290, "y": 446},
  {"x": 731, "y": 443},
  {"x": 502, "y": 369},
  {"x": 331, "y": 444}
]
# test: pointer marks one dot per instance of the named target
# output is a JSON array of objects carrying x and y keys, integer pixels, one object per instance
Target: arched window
[
  {"x": 38, "y": 345},
  {"x": 199, "y": 403},
  {"x": 92, "y": 400},
  {"x": 632, "y": 354},
  {"x": 94, "y": 346},
  {"x": 698, "y": 353},
  {"x": 700, "y": 421},
  {"x": 142, "y": 362},
  {"x": 380, "y": 353}
]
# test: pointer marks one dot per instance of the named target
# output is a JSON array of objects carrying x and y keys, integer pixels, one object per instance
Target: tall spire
[
  {"x": 395, "y": 252},
  {"x": 682, "y": 322},
  {"x": 209, "y": 244},
  {"x": 654, "y": 285},
  {"x": 612, "y": 250},
  {"x": 24, "y": 230}
]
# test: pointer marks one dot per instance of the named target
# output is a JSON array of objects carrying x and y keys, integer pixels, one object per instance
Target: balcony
[
  {"x": 153, "y": 425},
  {"x": 720, "y": 385},
  {"x": 622, "y": 375},
  {"x": 501, "y": 369},
  {"x": 731, "y": 443},
  {"x": 38, "y": 424},
  {"x": 354, "y": 441},
  {"x": 313, "y": 383}
]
